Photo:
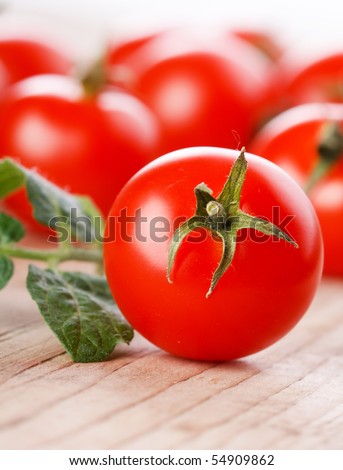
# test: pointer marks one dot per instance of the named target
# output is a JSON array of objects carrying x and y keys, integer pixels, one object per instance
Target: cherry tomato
[
  {"x": 24, "y": 57},
  {"x": 263, "y": 293},
  {"x": 191, "y": 109},
  {"x": 88, "y": 145},
  {"x": 204, "y": 92},
  {"x": 291, "y": 140},
  {"x": 321, "y": 80},
  {"x": 127, "y": 61},
  {"x": 264, "y": 55}
]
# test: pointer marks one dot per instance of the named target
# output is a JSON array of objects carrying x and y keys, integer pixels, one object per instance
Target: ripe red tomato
[
  {"x": 126, "y": 61},
  {"x": 318, "y": 81},
  {"x": 203, "y": 92},
  {"x": 291, "y": 140},
  {"x": 261, "y": 296},
  {"x": 24, "y": 57},
  {"x": 265, "y": 55},
  {"x": 191, "y": 109},
  {"x": 89, "y": 145}
]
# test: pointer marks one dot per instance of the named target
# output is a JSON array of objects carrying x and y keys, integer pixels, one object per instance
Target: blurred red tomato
[
  {"x": 128, "y": 60},
  {"x": 205, "y": 90},
  {"x": 263, "y": 57},
  {"x": 292, "y": 141},
  {"x": 24, "y": 57},
  {"x": 200, "y": 99},
  {"x": 89, "y": 145},
  {"x": 321, "y": 80}
]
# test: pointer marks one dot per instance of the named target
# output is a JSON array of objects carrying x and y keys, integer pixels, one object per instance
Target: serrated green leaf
[
  {"x": 51, "y": 204},
  {"x": 11, "y": 230},
  {"x": 94, "y": 214},
  {"x": 80, "y": 311},
  {"x": 6, "y": 270},
  {"x": 12, "y": 177}
]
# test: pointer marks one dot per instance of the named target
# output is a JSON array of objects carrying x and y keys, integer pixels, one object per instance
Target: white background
[{"x": 85, "y": 25}]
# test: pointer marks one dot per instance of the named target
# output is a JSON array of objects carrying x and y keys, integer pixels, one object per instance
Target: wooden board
[{"x": 289, "y": 396}]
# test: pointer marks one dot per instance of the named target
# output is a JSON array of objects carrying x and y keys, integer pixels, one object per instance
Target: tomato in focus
[
  {"x": 291, "y": 140},
  {"x": 262, "y": 295}
]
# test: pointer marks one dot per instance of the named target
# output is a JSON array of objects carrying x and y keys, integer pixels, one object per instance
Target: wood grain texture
[{"x": 289, "y": 396}]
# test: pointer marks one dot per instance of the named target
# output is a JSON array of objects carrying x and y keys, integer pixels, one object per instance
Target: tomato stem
[
  {"x": 330, "y": 151},
  {"x": 94, "y": 79},
  {"x": 214, "y": 208},
  {"x": 223, "y": 217}
]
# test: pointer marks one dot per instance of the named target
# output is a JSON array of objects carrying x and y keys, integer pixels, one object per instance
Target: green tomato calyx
[
  {"x": 223, "y": 217},
  {"x": 330, "y": 152}
]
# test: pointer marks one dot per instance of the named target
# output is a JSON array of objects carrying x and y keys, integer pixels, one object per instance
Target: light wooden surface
[{"x": 289, "y": 396}]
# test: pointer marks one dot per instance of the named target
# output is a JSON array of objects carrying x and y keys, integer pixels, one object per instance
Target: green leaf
[
  {"x": 94, "y": 214},
  {"x": 12, "y": 177},
  {"x": 80, "y": 311},
  {"x": 51, "y": 204},
  {"x": 6, "y": 270},
  {"x": 11, "y": 230}
]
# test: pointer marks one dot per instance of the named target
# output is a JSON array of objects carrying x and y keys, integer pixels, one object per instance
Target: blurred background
[
  {"x": 116, "y": 103},
  {"x": 85, "y": 25}
]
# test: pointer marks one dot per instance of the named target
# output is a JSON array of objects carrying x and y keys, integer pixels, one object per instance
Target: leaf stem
[{"x": 52, "y": 256}]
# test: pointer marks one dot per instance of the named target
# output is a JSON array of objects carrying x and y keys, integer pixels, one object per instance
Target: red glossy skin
[
  {"x": 263, "y": 294},
  {"x": 193, "y": 111},
  {"x": 319, "y": 81},
  {"x": 265, "y": 58},
  {"x": 89, "y": 146},
  {"x": 205, "y": 91},
  {"x": 127, "y": 61},
  {"x": 24, "y": 57},
  {"x": 291, "y": 140}
]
